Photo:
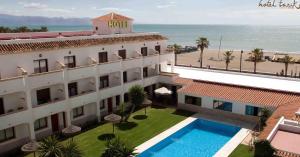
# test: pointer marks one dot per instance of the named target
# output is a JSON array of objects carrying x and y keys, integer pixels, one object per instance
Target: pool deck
[{"x": 223, "y": 152}]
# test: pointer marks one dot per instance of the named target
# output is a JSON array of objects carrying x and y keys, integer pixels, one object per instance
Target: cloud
[
  {"x": 167, "y": 5},
  {"x": 34, "y": 5},
  {"x": 111, "y": 9},
  {"x": 44, "y": 7}
]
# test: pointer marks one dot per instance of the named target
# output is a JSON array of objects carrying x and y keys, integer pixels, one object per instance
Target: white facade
[{"x": 32, "y": 115}]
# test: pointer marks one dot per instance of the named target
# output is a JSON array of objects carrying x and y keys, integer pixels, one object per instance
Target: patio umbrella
[
  {"x": 71, "y": 130},
  {"x": 30, "y": 147},
  {"x": 113, "y": 118},
  {"x": 163, "y": 91},
  {"x": 146, "y": 103}
]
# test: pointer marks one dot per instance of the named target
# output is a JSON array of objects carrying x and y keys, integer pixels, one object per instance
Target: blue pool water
[{"x": 201, "y": 138}]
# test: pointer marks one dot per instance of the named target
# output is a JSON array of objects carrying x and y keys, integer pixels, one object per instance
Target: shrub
[{"x": 263, "y": 148}]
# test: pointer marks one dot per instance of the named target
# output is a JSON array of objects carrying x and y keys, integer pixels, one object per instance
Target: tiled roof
[
  {"x": 15, "y": 48},
  {"x": 38, "y": 35},
  {"x": 247, "y": 95},
  {"x": 287, "y": 110},
  {"x": 183, "y": 81},
  {"x": 112, "y": 16}
]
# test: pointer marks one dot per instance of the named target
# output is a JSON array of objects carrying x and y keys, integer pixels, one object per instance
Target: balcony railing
[
  {"x": 55, "y": 100},
  {"x": 83, "y": 93},
  {"x": 12, "y": 111}
]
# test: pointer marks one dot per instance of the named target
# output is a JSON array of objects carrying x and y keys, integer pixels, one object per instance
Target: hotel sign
[
  {"x": 117, "y": 24},
  {"x": 283, "y": 4}
]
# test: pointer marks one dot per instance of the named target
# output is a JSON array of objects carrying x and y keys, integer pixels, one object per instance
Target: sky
[{"x": 239, "y": 12}]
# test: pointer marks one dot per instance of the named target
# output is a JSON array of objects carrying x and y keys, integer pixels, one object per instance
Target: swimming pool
[{"x": 201, "y": 138}]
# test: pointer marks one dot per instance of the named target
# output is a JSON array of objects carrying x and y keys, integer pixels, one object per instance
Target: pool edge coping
[{"x": 156, "y": 139}]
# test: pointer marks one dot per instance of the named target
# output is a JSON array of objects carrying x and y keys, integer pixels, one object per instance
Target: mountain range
[{"x": 12, "y": 20}]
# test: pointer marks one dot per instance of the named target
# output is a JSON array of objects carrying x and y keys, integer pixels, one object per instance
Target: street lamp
[{"x": 241, "y": 58}]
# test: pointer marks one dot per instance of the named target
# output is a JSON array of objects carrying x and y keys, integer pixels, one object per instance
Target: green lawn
[
  {"x": 138, "y": 130},
  {"x": 242, "y": 151}
]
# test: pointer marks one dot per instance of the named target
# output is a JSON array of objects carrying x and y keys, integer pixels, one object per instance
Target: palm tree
[
  {"x": 256, "y": 55},
  {"x": 287, "y": 60},
  {"x": 50, "y": 147},
  {"x": 202, "y": 43},
  {"x": 72, "y": 150},
  {"x": 227, "y": 56},
  {"x": 136, "y": 97},
  {"x": 176, "y": 48}
]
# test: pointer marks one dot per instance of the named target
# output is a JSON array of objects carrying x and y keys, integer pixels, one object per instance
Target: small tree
[
  {"x": 123, "y": 110},
  {"x": 176, "y": 48},
  {"x": 136, "y": 98},
  {"x": 72, "y": 150},
  {"x": 263, "y": 148},
  {"x": 117, "y": 148},
  {"x": 50, "y": 147},
  {"x": 228, "y": 56},
  {"x": 265, "y": 114}
]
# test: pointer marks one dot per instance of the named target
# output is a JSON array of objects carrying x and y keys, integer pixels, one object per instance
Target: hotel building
[{"x": 52, "y": 80}]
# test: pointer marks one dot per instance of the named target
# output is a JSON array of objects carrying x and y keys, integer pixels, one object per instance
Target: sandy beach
[{"x": 211, "y": 59}]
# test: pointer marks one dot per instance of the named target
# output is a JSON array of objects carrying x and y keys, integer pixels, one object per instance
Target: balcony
[
  {"x": 50, "y": 108},
  {"x": 47, "y": 95},
  {"x": 151, "y": 58},
  {"x": 113, "y": 64},
  {"x": 15, "y": 118},
  {"x": 133, "y": 61},
  {"x": 81, "y": 72},
  {"x": 112, "y": 86},
  {"x": 83, "y": 99},
  {"x": 45, "y": 79},
  {"x": 12, "y": 85},
  {"x": 131, "y": 83},
  {"x": 151, "y": 78},
  {"x": 13, "y": 103}
]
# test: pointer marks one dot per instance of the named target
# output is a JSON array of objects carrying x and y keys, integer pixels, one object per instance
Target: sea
[{"x": 227, "y": 37}]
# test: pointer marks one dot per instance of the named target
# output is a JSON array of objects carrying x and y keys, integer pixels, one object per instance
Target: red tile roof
[
  {"x": 287, "y": 110},
  {"x": 15, "y": 48},
  {"x": 263, "y": 97},
  {"x": 112, "y": 16}
]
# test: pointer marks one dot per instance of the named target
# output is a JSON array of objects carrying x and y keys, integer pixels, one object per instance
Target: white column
[
  {"x": 97, "y": 84},
  {"x": 68, "y": 104},
  {"x": 29, "y": 108}
]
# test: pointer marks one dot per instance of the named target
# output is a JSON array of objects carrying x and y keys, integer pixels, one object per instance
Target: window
[
  {"x": 7, "y": 134},
  {"x": 102, "y": 104},
  {"x": 70, "y": 61},
  {"x": 1, "y": 106},
  {"x": 77, "y": 112},
  {"x": 104, "y": 82},
  {"x": 72, "y": 87},
  {"x": 193, "y": 100},
  {"x": 252, "y": 110},
  {"x": 43, "y": 96},
  {"x": 103, "y": 57},
  {"x": 124, "y": 76},
  {"x": 118, "y": 100},
  {"x": 40, "y": 66},
  {"x": 40, "y": 124},
  {"x": 145, "y": 72},
  {"x": 222, "y": 105},
  {"x": 122, "y": 53},
  {"x": 126, "y": 97},
  {"x": 157, "y": 48},
  {"x": 144, "y": 51}
]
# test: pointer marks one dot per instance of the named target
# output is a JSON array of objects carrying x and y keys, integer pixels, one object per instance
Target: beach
[{"x": 210, "y": 58}]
